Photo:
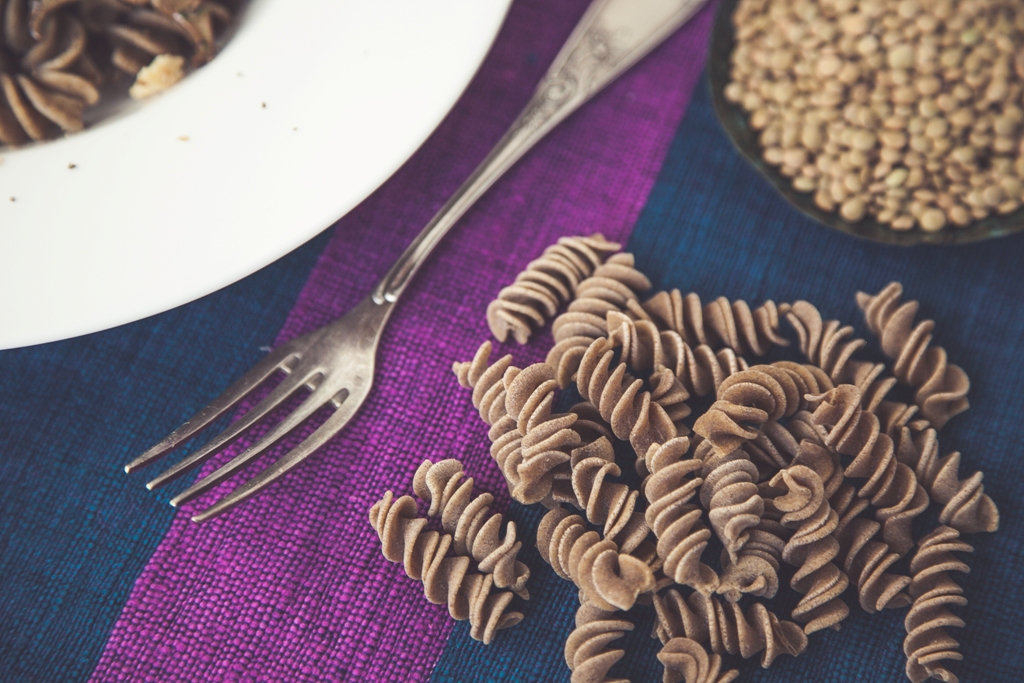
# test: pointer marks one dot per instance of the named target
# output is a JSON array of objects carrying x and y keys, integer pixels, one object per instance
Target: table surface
[{"x": 101, "y": 580}]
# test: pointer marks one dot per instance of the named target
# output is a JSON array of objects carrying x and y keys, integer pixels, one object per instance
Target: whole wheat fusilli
[
  {"x": 927, "y": 644},
  {"x": 941, "y": 386},
  {"x": 610, "y": 580},
  {"x": 475, "y": 531},
  {"x": 546, "y": 285},
  {"x": 891, "y": 485}
]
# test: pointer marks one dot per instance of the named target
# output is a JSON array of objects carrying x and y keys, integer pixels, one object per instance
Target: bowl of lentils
[{"x": 900, "y": 121}]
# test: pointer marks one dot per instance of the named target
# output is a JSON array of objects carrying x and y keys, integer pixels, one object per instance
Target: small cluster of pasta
[
  {"x": 55, "y": 55},
  {"x": 807, "y": 464},
  {"x": 444, "y": 561}
]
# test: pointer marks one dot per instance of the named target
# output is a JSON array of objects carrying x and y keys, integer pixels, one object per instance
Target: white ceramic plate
[{"x": 308, "y": 109}]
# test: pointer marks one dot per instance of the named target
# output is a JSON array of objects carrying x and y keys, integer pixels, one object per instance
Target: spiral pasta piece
[
  {"x": 475, "y": 531},
  {"x": 640, "y": 341},
  {"x": 730, "y": 495},
  {"x": 548, "y": 439},
  {"x": 927, "y": 644},
  {"x": 941, "y": 387},
  {"x": 46, "y": 75},
  {"x": 642, "y": 353},
  {"x": 700, "y": 369},
  {"x": 746, "y": 401},
  {"x": 812, "y": 454},
  {"x": 809, "y": 379},
  {"x": 621, "y": 399},
  {"x": 546, "y": 448},
  {"x": 754, "y": 570},
  {"x": 545, "y": 286},
  {"x": 506, "y": 449},
  {"x": 614, "y": 286},
  {"x": 966, "y": 507},
  {"x": 686, "y": 661},
  {"x": 676, "y": 522},
  {"x": 586, "y": 650},
  {"x": 670, "y": 310},
  {"x": 720, "y": 323},
  {"x": 609, "y": 579},
  {"x": 724, "y": 629},
  {"x": 829, "y": 346},
  {"x": 865, "y": 559},
  {"x": 606, "y": 503},
  {"x": 774, "y": 446},
  {"x": 812, "y": 548},
  {"x": 891, "y": 485},
  {"x": 486, "y": 381},
  {"x": 446, "y": 579},
  {"x": 488, "y": 385},
  {"x": 771, "y": 450}
]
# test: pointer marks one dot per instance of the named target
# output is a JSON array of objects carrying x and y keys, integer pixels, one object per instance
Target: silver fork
[{"x": 336, "y": 362}]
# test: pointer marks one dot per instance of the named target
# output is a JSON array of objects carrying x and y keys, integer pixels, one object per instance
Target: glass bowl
[{"x": 734, "y": 120}]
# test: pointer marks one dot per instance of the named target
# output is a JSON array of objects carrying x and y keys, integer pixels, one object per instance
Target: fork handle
[{"x": 611, "y": 36}]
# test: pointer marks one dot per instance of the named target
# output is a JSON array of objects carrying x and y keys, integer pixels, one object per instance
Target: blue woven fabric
[
  {"x": 75, "y": 531},
  {"x": 713, "y": 226}
]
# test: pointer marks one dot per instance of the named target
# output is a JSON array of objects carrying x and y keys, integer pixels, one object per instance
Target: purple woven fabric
[{"x": 292, "y": 585}]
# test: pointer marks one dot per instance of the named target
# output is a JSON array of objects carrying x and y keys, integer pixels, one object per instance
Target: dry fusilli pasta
[
  {"x": 927, "y": 644},
  {"x": 586, "y": 649},
  {"x": 700, "y": 369},
  {"x": 506, "y": 449},
  {"x": 545, "y": 286},
  {"x": 829, "y": 346},
  {"x": 746, "y": 401},
  {"x": 756, "y": 569},
  {"x": 724, "y": 629},
  {"x": 864, "y": 558},
  {"x": 720, "y": 323},
  {"x": 730, "y": 495},
  {"x": 766, "y": 468},
  {"x": 446, "y": 579},
  {"x": 941, "y": 387},
  {"x": 686, "y": 661},
  {"x": 475, "y": 532},
  {"x": 812, "y": 548},
  {"x": 485, "y": 381},
  {"x": 891, "y": 485},
  {"x": 610, "y": 580},
  {"x": 621, "y": 400},
  {"x": 677, "y": 524},
  {"x": 607, "y": 503},
  {"x": 548, "y": 439},
  {"x": 614, "y": 286},
  {"x": 771, "y": 450},
  {"x": 966, "y": 507},
  {"x": 643, "y": 354}
]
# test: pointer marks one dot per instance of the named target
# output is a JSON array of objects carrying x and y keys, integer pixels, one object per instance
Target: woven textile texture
[
  {"x": 292, "y": 586},
  {"x": 75, "y": 531},
  {"x": 713, "y": 226}
]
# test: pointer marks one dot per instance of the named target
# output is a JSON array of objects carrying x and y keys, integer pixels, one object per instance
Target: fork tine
[
  {"x": 236, "y": 429},
  {"x": 335, "y": 423},
  {"x": 313, "y": 403},
  {"x": 279, "y": 359}
]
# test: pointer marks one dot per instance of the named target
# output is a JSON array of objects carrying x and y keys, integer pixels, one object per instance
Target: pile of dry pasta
[
  {"x": 811, "y": 465},
  {"x": 58, "y": 56}
]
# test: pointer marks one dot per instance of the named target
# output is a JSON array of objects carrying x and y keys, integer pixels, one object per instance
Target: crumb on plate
[{"x": 163, "y": 72}]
